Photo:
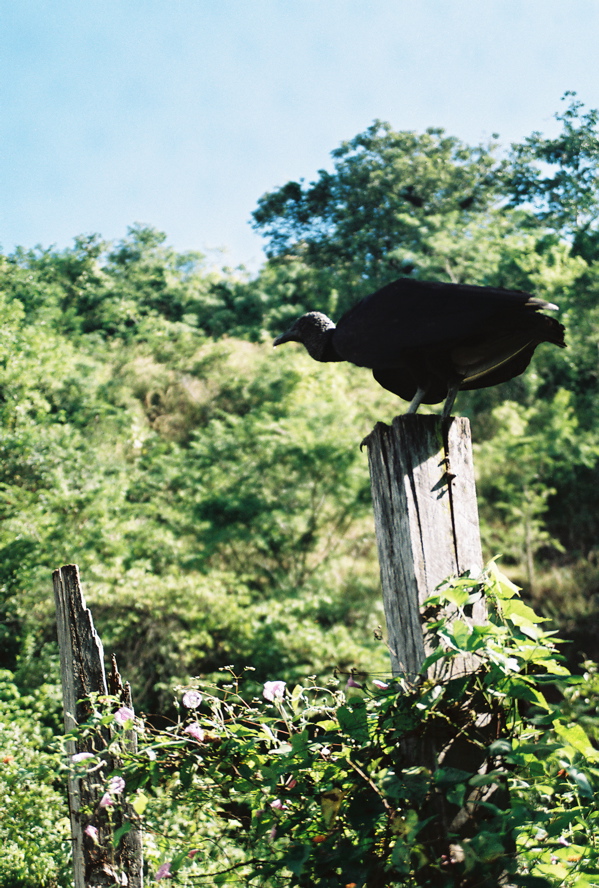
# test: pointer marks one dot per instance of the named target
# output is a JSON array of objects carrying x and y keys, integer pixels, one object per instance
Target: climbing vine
[{"x": 454, "y": 778}]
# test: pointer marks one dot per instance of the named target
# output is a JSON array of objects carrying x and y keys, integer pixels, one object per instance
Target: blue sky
[{"x": 182, "y": 113}]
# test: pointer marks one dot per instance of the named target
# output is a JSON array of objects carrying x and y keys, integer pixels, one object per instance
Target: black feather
[{"x": 426, "y": 340}]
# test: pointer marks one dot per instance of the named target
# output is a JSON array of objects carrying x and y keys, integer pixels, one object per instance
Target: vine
[{"x": 456, "y": 779}]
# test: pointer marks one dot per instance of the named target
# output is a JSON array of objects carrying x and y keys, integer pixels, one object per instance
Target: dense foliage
[
  {"x": 213, "y": 491},
  {"x": 451, "y": 779},
  {"x": 34, "y": 819}
]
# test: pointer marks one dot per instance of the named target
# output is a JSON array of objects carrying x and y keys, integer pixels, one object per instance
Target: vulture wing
[{"x": 409, "y": 315}]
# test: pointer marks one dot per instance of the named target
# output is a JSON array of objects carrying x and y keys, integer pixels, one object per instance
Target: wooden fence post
[
  {"x": 426, "y": 518},
  {"x": 95, "y": 861}
]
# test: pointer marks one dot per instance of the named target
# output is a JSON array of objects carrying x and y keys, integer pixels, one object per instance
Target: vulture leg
[
  {"x": 451, "y": 396},
  {"x": 416, "y": 400}
]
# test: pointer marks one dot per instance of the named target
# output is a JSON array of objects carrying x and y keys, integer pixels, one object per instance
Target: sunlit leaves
[{"x": 311, "y": 787}]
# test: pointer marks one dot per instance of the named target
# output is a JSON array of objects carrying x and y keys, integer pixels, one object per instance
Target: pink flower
[
  {"x": 195, "y": 731},
  {"x": 273, "y": 690},
  {"x": 192, "y": 699},
  {"x": 123, "y": 715},
  {"x": 164, "y": 872},
  {"x": 278, "y": 805},
  {"x": 116, "y": 785},
  {"x": 105, "y": 801},
  {"x": 352, "y": 683},
  {"x": 82, "y": 756},
  {"x": 382, "y": 685},
  {"x": 91, "y": 831}
]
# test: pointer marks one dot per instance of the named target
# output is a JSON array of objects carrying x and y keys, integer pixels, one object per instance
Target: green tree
[
  {"x": 248, "y": 526},
  {"x": 559, "y": 177},
  {"x": 375, "y": 216}
]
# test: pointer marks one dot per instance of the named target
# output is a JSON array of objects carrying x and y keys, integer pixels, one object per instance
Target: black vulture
[{"x": 424, "y": 341}]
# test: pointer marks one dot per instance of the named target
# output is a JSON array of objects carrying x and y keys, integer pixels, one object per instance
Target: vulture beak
[{"x": 285, "y": 337}]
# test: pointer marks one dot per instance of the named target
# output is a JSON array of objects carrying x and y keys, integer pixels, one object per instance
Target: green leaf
[
  {"x": 458, "y": 595},
  {"x": 502, "y": 746},
  {"x": 524, "y": 689},
  {"x": 504, "y": 587},
  {"x": 300, "y": 742},
  {"x": 519, "y": 613},
  {"x": 433, "y": 658},
  {"x": 296, "y": 697},
  {"x": 186, "y": 773},
  {"x": 575, "y": 735},
  {"x": 451, "y": 776},
  {"x": 461, "y": 632},
  {"x": 178, "y": 860},
  {"x": 296, "y": 857},
  {"x": 353, "y": 720},
  {"x": 126, "y": 827},
  {"x": 455, "y": 795},
  {"x": 140, "y": 803},
  {"x": 400, "y": 857},
  {"x": 582, "y": 782}
]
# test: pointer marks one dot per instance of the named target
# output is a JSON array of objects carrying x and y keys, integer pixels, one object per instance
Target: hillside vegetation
[{"x": 212, "y": 490}]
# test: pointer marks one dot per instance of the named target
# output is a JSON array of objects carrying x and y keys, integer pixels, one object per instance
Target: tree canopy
[{"x": 390, "y": 194}]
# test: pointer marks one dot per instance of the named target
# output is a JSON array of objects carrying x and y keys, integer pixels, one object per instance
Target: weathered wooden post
[
  {"x": 426, "y": 518},
  {"x": 95, "y": 861}
]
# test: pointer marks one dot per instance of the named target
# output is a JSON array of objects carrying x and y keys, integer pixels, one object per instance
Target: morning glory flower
[
  {"x": 195, "y": 731},
  {"x": 273, "y": 690},
  {"x": 123, "y": 715},
  {"x": 82, "y": 756},
  {"x": 164, "y": 872},
  {"x": 192, "y": 699},
  {"x": 116, "y": 785},
  {"x": 91, "y": 831}
]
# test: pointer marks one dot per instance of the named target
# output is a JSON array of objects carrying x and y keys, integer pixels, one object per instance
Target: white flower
[
  {"x": 116, "y": 785},
  {"x": 192, "y": 699},
  {"x": 273, "y": 690},
  {"x": 123, "y": 715},
  {"x": 82, "y": 756}
]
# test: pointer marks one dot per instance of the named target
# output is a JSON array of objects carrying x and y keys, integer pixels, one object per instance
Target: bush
[
  {"x": 458, "y": 778},
  {"x": 34, "y": 818}
]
